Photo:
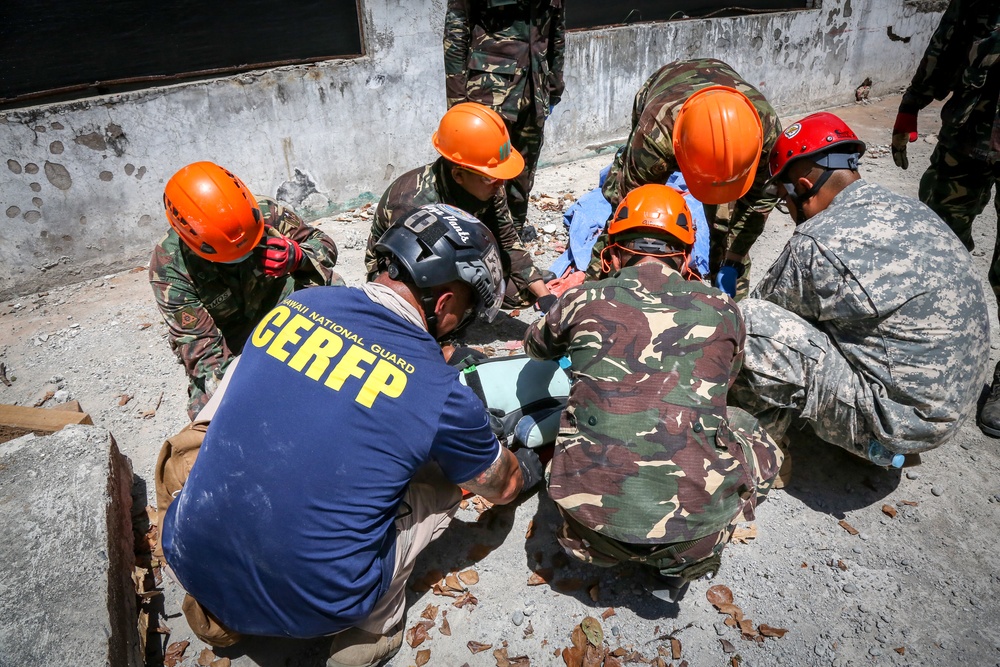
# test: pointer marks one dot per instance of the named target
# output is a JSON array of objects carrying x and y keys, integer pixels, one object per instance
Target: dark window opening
[
  {"x": 599, "y": 13},
  {"x": 56, "y": 50}
]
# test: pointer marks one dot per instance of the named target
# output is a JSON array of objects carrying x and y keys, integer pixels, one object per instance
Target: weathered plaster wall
[{"x": 81, "y": 183}]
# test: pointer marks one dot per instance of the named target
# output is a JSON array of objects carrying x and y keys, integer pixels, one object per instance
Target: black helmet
[{"x": 436, "y": 244}]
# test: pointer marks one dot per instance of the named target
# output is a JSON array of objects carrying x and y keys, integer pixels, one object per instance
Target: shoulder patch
[{"x": 187, "y": 318}]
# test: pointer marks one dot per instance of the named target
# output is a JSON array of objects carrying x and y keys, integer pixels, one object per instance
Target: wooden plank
[{"x": 18, "y": 420}]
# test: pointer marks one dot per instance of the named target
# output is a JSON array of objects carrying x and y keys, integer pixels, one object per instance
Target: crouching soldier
[
  {"x": 227, "y": 260},
  {"x": 650, "y": 465}
]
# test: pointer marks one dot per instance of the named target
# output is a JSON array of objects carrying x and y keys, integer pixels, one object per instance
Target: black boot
[{"x": 989, "y": 416}]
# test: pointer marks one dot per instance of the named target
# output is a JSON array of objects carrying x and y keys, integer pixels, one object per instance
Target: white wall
[{"x": 81, "y": 182}]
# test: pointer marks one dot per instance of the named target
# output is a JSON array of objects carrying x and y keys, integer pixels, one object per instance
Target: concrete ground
[{"x": 919, "y": 587}]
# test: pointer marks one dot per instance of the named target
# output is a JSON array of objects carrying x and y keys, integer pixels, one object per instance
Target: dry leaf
[
  {"x": 452, "y": 582},
  {"x": 889, "y": 511},
  {"x": 423, "y": 655},
  {"x": 658, "y": 662},
  {"x": 221, "y": 662},
  {"x": 732, "y": 610},
  {"x": 531, "y": 530},
  {"x": 466, "y": 599},
  {"x": 746, "y": 627},
  {"x": 768, "y": 631},
  {"x": 607, "y": 613},
  {"x": 539, "y": 577},
  {"x": 909, "y": 503},
  {"x": 727, "y": 646},
  {"x": 848, "y": 527},
  {"x": 430, "y": 612},
  {"x": 743, "y": 535},
  {"x": 594, "y": 592},
  {"x": 804, "y": 565},
  {"x": 719, "y": 595},
  {"x": 145, "y": 325},
  {"x": 592, "y": 629},
  {"x": 500, "y": 655},
  {"x": 441, "y": 589},
  {"x": 842, "y": 565},
  {"x": 529, "y": 630},
  {"x": 901, "y": 650},
  {"x": 593, "y": 656},
  {"x": 416, "y": 635},
  {"x": 124, "y": 399},
  {"x": 41, "y": 401},
  {"x": 579, "y": 638},
  {"x": 477, "y": 647},
  {"x": 175, "y": 653},
  {"x": 675, "y": 649},
  {"x": 730, "y": 621},
  {"x": 445, "y": 625},
  {"x": 206, "y": 657},
  {"x": 572, "y": 656},
  {"x": 464, "y": 504},
  {"x": 611, "y": 661},
  {"x": 469, "y": 577}
]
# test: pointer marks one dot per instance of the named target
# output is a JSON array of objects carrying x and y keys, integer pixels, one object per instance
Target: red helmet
[
  {"x": 213, "y": 212},
  {"x": 821, "y": 137}
]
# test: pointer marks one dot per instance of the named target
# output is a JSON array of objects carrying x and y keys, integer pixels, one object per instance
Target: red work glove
[
  {"x": 281, "y": 255},
  {"x": 904, "y": 131}
]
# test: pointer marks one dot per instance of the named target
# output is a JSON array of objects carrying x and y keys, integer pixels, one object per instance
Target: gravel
[{"x": 835, "y": 593}]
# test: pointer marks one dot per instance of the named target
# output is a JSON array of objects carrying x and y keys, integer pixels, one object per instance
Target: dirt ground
[{"x": 918, "y": 584}]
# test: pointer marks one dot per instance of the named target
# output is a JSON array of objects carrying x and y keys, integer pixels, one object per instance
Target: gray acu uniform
[{"x": 868, "y": 326}]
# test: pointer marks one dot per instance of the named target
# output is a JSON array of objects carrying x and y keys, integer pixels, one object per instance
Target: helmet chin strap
[{"x": 799, "y": 199}]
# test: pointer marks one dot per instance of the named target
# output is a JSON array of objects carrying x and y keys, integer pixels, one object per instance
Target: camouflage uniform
[
  {"x": 433, "y": 184},
  {"x": 210, "y": 308},
  {"x": 648, "y": 155},
  {"x": 508, "y": 55},
  {"x": 963, "y": 59},
  {"x": 870, "y": 327},
  {"x": 650, "y": 465}
]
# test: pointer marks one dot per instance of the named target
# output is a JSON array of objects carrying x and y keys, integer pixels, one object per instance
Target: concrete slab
[{"x": 66, "y": 552}]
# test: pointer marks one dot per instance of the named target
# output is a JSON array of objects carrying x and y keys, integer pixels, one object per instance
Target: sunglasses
[{"x": 487, "y": 180}]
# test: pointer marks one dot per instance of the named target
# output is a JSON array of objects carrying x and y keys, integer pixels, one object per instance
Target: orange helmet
[
  {"x": 213, "y": 212},
  {"x": 717, "y": 142},
  {"x": 474, "y": 136},
  {"x": 658, "y": 210}
]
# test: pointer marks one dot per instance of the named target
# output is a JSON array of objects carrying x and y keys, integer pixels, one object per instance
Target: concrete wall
[{"x": 81, "y": 182}]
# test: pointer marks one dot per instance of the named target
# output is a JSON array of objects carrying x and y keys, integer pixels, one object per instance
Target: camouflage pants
[
  {"x": 526, "y": 136},
  {"x": 794, "y": 374},
  {"x": 958, "y": 188},
  {"x": 695, "y": 558}
]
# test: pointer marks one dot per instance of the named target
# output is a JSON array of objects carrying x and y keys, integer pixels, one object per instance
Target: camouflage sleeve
[
  {"x": 192, "y": 332},
  {"x": 549, "y": 337},
  {"x": 557, "y": 54},
  {"x": 940, "y": 67},
  {"x": 456, "y": 50},
  {"x": 522, "y": 267},
  {"x": 384, "y": 215},
  {"x": 791, "y": 283},
  {"x": 318, "y": 250}
]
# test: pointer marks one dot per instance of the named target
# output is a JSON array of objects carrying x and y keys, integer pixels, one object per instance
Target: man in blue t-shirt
[{"x": 336, "y": 450}]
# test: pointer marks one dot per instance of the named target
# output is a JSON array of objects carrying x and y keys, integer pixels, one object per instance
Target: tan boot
[
  {"x": 784, "y": 477},
  {"x": 355, "y": 647}
]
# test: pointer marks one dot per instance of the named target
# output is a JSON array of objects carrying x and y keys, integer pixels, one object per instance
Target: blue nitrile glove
[{"x": 729, "y": 273}]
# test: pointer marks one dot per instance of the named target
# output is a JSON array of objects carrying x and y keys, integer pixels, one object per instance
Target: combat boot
[
  {"x": 355, "y": 647},
  {"x": 989, "y": 416}
]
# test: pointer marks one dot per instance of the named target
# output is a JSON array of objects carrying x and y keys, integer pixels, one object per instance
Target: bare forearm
[{"x": 501, "y": 482}]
